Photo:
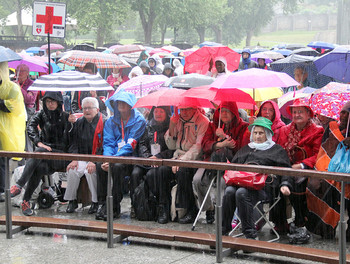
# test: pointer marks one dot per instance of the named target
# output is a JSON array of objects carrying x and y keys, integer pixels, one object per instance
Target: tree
[{"x": 101, "y": 16}]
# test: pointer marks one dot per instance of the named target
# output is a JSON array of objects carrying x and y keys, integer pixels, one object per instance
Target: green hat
[{"x": 263, "y": 122}]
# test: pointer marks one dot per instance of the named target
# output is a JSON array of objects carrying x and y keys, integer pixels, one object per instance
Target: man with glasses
[{"x": 86, "y": 137}]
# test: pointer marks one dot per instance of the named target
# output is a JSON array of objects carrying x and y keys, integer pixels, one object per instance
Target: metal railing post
[
  {"x": 8, "y": 200},
  {"x": 109, "y": 208},
  {"x": 342, "y": 226},
  {"x": 218, "y": 215}
]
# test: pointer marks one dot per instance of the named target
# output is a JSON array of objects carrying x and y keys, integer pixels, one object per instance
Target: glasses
[
  {"x": 88, "y": 108},
  {"x": 48, "y": 101}
]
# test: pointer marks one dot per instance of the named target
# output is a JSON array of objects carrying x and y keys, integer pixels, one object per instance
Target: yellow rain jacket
[{"x": 12, "y": 125}]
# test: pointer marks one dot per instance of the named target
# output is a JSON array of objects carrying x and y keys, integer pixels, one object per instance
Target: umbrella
[
  {"x": 84, "y": 46},
  {"x": 53, "y": 46},
  {"x": 284, "y": 52},
  {"x": 34, "y": 64},
  {"x": 122, "y": 49},
  {"x": 34, "y": 50},
  {"x": 159, "y": 51},
  {"x": 170, "y": 49},
  {"x": 306, "y": 52},
  {"x": 268, "y": 55},
  {"x": 263, "y": 94},
  {"x": 289, "y": 64},
  {"x": 243, "y": 100},
  {"x": 168, "y": 97},
  {"x": 79, "y": 58},
  {"x": 209, "y": 44},
  {"x": 7, "y": 54},
  {"x": 321, "y": 45},
  {"x": 294, "y": 46},
  {"x": 187, "y": 81},
  {"x": 70, "y": 81},
  {"x": 288, "y": 98},
  {"x": 335, "y": 63},
  {"x": 142, "y": 85},
  {"x": 329, "y": 100},
  {"x": 198, "y": 61}
]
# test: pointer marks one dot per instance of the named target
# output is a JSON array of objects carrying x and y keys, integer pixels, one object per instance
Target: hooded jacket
[
  {"x": 54, "y": 125},
  {"x": 277, "y": 123},
  {"x": 247, "y": 63},
  {"x": 114, "y": 130},
  {"x": 187, "y": 137},
  {"x": 237, "y": 130},
  {"x": 155, "y": 68},
  {"x": 12, "y": 113},
  {"x": 168, "y": 66}
]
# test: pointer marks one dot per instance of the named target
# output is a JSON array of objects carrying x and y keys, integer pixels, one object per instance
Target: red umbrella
[
  {"x": 167, "y": 97},
  {"x": 243, "y": 100},
  {"x": 123, "y": 49},
  {"x": 198, "y": 61}
]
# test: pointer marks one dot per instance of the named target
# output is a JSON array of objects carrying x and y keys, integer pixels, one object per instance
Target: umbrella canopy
[
  {"x": 188, "y": 81},
  {"x": 34, "y": 64},
  {"x": 289, "y": 64},
  {"x": 170, "y": 49},
  {"x": 306, "y": 52},
  {"x": 329, "y": 100},
  {"x": 254, "y": 78},
  {"x": 7, "y": 54},
  {"x": 84, "y": 46},
  {"x": 243, "y": 99},
  {"x": 198, "y": 61},
  {"x": 268, "y": 55},
  {"x": 335, "y": 64},
  {"x": 209, "y": 44},
  {"x": 79, "y": 58},
  {"x": 321, "y": 45},
  {"x": 123, "y": 49},
  {"x": 294, "y": 46},
  {"x": 263, "y": 94},
  {"x": 170, "y": 97},
  {"x": 53, "y": 46},
  {"x": 34, "y": 50},
  {"x": 143, "y": 84},
  {"x": 287, "y": 99},
  {"x": 70, "y": 81},
  {"x": 284, "y": 52}
]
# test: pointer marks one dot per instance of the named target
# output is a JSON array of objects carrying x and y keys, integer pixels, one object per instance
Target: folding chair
[{"x": 263, "y": 215}]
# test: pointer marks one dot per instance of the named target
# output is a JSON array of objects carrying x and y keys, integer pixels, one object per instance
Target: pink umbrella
[
  {"x": 122, "y": 49},
  {"x": 170, "y": 49},
  {"x": 187, "y": 52},
  {"x": 158, "y": 50},
  {"x": 142, "y": 85},
  {"x": 53, "y": 46},
  {"x": 198, "y": 61},
  {"x": 34, "y": 64},
  {"x": 329, "y": 100}
]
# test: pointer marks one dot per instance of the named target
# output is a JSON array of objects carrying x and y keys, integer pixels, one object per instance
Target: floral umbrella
[{"x": 329, "y": 100}]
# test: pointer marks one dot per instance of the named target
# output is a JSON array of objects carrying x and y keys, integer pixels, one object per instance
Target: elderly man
[
  {"x": 12, "y": 120},
  {"x": 86, "y": 138},
  {"x": 185, "y": 135},
  {"x": 302, "y": 140},
  {"x": 121, "y": 132}
]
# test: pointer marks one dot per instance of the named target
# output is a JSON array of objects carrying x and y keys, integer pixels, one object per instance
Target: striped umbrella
[
  {"x": 70, "y": 81},
  {"x": 79, "y": 58}
]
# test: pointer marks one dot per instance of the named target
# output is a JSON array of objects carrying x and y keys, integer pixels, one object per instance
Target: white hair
[{"x": 92, "y": 100}]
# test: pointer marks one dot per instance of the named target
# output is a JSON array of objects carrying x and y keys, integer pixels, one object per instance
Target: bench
[{"x": 179, "y": 236}]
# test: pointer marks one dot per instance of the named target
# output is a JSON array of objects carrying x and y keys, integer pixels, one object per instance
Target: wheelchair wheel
[{"x": 45, "y": 200}]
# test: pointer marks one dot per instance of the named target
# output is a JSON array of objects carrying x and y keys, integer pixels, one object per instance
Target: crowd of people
[{"x": 114, "y": 128}]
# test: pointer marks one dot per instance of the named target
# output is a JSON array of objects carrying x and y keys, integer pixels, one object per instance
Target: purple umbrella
[
  {"x": 34, "y": 64},
  {"x": 335, "y": 64},
  {"x": 142, "y": 85}
]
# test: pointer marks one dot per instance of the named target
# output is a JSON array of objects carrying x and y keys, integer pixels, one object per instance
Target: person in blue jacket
[{"x": 121, "y": 133}]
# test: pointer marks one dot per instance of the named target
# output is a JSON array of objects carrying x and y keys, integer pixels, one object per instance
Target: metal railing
[{"x": 341, "y": 177}]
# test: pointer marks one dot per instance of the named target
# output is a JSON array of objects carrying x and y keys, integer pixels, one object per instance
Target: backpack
[{"x": 144, "y": 203}]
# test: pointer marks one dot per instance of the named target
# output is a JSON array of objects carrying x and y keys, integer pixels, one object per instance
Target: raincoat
[
  {"x": 12, "y": 123},
  {"x": 117, "y": 139},
  {"x": 277, "y": 123}
]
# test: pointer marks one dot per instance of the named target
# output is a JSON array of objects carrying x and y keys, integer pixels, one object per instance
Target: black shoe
[
  {"x": 210, "y": 216},
  {"x": 93, "y": 208},
  {"x": 72, "y": 205},
  {"x": 163, "y": 215},
  {"x": 187, "y": 219},
  {"x": 116, "y": 214},
  {"x": 101, "y": 211}
]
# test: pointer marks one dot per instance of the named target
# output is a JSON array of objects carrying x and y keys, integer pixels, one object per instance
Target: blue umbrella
[
  {"x": 34, "y": 50},
  {"x": 209, "y": 44},
  {"x": 7, "y": 54},
  {"x": 284, "y": 52},
  {"x": 335, "y": 64},
  {"x": 321, "y": 45}
]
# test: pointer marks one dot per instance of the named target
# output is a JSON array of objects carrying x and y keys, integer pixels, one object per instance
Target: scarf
[
  {"x": 262, "y": 146},
  {"x": 246, "y": 62}
]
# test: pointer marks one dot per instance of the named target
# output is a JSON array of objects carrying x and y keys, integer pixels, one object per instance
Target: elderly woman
[{"x": 261, "y": 151}]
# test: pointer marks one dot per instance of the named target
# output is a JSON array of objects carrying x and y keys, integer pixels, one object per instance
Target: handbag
[
  {"x": 341, "y": 160},
  {"x": 249, "y": 180}
]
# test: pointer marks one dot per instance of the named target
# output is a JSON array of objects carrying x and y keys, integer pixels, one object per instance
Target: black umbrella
[
  {"x": 306, "y": 52},
  {"x": 188, "y": 81}
]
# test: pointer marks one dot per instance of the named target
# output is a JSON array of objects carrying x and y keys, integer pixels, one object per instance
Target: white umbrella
[{"x": 70, "y": 81}]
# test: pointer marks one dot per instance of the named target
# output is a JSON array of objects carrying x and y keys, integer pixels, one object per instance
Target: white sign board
[{"x": 49, "y": 18}]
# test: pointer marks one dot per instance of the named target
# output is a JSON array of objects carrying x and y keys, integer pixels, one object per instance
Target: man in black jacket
[{"x": 86, "y": 138}]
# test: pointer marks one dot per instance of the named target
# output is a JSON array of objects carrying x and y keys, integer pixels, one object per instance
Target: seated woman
[
  {"x": 152, "y": 145},
  {"x": 262, "y": 151},
  {"x": 54, "y": 124}
]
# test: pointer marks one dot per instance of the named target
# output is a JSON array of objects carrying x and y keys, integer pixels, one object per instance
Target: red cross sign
[{"x": 49, "y": 18}]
